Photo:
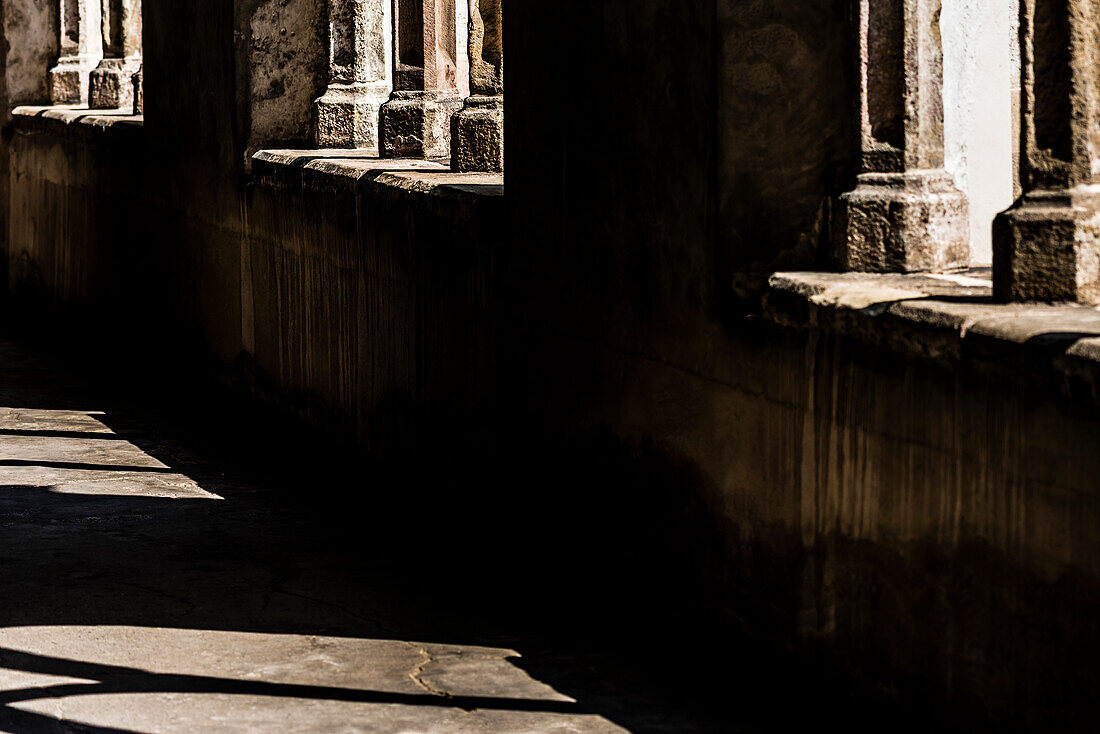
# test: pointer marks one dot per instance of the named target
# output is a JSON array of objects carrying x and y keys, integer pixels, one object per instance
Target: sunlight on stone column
[
  {"x": 905, "y": 214},
  {"x": 477, "y": 131},
  {"x": 81, "y": 45},
  {"x": 346, "y": 116},
  {"x": 111, "y": 83},
  {"x": 430, "y": 80},
  {"x": 1047, "y": 246}
]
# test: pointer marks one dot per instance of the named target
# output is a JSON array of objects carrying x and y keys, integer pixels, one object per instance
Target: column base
[
  {"x": 111, "y": 85},
  {"x": 346, "y": 115},
  {"x": 69, "y": 79},
  {"x": 139, "y": 91},
  {"x": 1046, "y": 247},
  {"x": 902, "y": 222},
  {"x": 418, "y": 124},
  {"x": 477, "y": 135}
]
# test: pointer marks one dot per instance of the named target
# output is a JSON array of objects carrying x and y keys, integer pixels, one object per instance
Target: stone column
[
  {"x": 139, "y": 91},
  {"x": 111, "y": 84},
  {"x": 81, "y": 47},
  {"x": 1046, "y": 247},
  {"x": 905, "y": 214},
  {"x": 427, "y": 79},
  {"x": 477, "y": 131},
  {"x": 359, "y": 74}
]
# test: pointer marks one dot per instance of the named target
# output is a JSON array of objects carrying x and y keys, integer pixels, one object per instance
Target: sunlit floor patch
[
  {"x": 74, "y": 452},
  {"x": 141, "y": 679}
]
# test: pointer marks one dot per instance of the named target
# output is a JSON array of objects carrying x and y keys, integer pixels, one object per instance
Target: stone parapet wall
[
  {"x": 582, "y": 358},
  {"x": 870, "y": 499}
]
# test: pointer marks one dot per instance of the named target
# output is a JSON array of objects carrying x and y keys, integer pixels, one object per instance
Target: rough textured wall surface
[
  {"x": 27, "y": 63},
  {"x": 787, "y": 143},
  {"x": 282, "y": 65},
  {"x": 918, "y": 528}
]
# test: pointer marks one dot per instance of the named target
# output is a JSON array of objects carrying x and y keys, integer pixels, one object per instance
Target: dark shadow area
[
  {"x": 304, "y": 543},
  {"x": 591, "y": 557}
]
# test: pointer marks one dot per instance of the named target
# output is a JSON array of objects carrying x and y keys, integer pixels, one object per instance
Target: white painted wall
[{"x": 981, "y": 73}]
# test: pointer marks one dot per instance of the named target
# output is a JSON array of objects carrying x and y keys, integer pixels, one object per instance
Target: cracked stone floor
[{"x": 148, "y": 585}]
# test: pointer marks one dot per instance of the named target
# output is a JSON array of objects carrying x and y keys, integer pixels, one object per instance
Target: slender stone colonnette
[
  {"x": 346, "y": 115},
  {"x": 111, "y": 83},
  {"x": 139, "y": 91},
  {"x": 428, "y": 81},
  {"x": 477, "y": 131},
  {"x": 1046, "y": 247},
  {"x": 81, "y": 45},
  {"x": 905, "y": 214}
]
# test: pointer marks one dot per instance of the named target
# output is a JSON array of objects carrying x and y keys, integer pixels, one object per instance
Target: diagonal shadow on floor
[{"x": 150, "y": 585}]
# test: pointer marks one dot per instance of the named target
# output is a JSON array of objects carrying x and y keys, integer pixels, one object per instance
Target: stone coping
[
  {"x": 325, "y": 169},
  {"x": 357, "y": 169},
  {"x": 78, "y": 119},
  {"x": 940, "y": 315}
]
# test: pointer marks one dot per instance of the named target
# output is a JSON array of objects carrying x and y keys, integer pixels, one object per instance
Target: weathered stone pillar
[
  {"x": 477, "y": 131},
  {"x": 416, "y": 120},
  {"x": 359, "y": 82},
  {"x": 139, "y": 91},
  {"x": 111, "y": 84},
  {"x": 1046, "y": 247},
  {"x": 81, "y": 47},
  {"x": 905, "y": 213}
]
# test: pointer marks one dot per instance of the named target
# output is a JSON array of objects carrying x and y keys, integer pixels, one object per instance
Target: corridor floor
[{"x": 150, "y": 586}]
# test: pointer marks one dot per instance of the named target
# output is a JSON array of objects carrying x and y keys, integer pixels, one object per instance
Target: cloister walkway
[{"x": 149, "y": 584}]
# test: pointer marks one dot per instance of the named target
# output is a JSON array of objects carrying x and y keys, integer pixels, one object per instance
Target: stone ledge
[
  {"x": 948, "y": 317},
  {"x": 77, "y": 120},
  {"x": 354, "y": 170}
]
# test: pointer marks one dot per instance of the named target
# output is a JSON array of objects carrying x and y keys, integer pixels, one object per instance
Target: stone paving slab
[{"x": 147, "y": 588}]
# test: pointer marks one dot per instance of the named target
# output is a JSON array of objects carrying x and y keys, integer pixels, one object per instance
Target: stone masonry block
[
  {"x": 1047, "y": 248},
  {"x": 111, "y": 84},
  {"x": 138, "y": 80},
  {"x": 347, "y": 115},
  {"x": 477, "y": 136},
  {"x": 69, "y": 82},
  {"x": 418, "y": 124},
  {"x": 902, "y": 222}
]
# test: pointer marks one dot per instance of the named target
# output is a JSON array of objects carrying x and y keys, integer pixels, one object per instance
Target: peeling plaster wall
[
  {"x": 282, "y": 68},
  {"x": 981, "y": 109},
  {"x": 34, "y": 23}
]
